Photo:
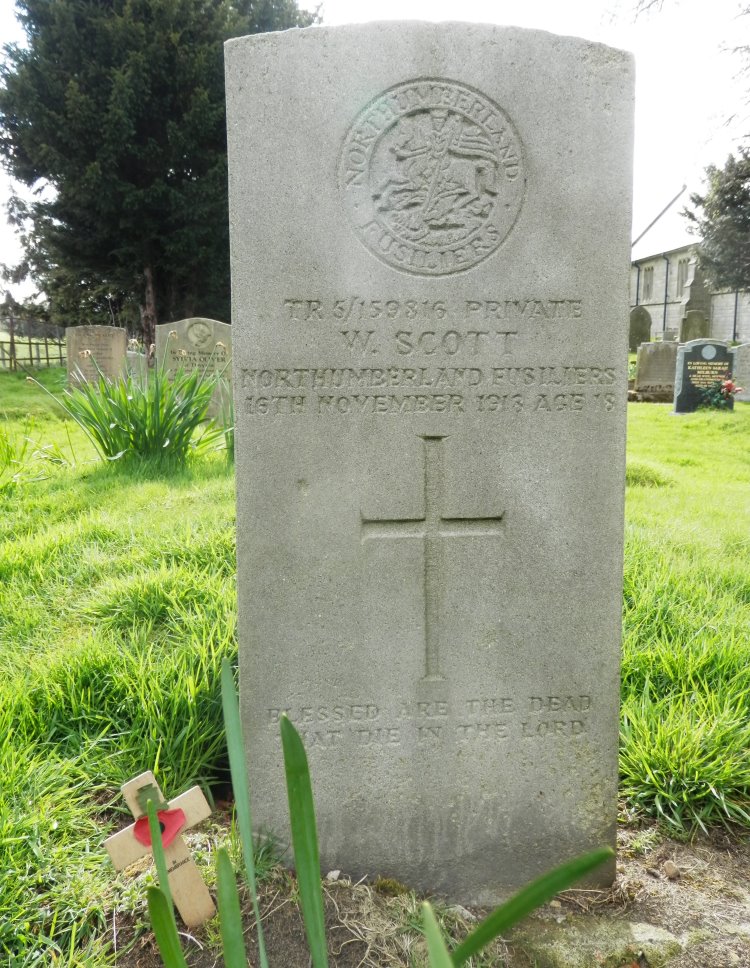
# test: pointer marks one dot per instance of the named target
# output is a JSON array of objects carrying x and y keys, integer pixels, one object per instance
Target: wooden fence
[{"x": 25, "y": 352}]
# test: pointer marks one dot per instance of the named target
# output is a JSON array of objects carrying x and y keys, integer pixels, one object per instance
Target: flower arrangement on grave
[{"x": 720, "y": 395}]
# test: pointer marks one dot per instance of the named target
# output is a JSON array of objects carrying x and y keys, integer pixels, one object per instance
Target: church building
[{"x": 667, "y": 282}]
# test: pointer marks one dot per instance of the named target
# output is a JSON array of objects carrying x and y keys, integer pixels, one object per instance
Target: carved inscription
[
  {"x": 196, "y": 347},
  {"x": 93, "y": 350},
  {"x": 395, "y": 390},
  {"x": 425, "y": 352},
  {"x": 473, "y": 721},
  {"x": 432, "y": 176},
  {"x": 704, "y": 373},
  {"x": 359, "y": 309}
]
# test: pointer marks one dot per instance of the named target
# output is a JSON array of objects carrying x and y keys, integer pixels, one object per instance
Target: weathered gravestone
[
  {"x": 701, "y": 364},
  {"x": 93, "y": 348},
  {"x": 137, "y": 366},
  {"x": 655, "y": 370},
  {"x": 430, "y": 380},
  {"x": 640, "y": 328},
  {"x": 741, "y": 371},
  {"x": 693, "y": 326},
  {"x": 198, "y": 344}
]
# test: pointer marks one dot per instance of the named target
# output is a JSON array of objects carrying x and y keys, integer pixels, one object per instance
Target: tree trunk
[{"x": 148, "y": 309}]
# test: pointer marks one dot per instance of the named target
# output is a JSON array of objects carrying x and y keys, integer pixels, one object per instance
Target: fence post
[{"x": 12, "y": 329}]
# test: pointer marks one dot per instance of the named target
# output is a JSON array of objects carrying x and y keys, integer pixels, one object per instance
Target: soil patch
[{"x": 673, "y": 905}]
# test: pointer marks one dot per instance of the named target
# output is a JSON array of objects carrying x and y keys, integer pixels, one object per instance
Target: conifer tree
[
  {"x": 113, "y": 112},
  {"x": 722, "y": 219}
]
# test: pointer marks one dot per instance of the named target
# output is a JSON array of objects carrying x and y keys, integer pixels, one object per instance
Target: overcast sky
[{"x": 691, "y": 96}]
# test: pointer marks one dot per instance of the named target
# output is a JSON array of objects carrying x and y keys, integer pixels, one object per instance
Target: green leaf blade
[
  {"x": 230, "y": 915},
  {"x": 304, "y": 841},
  {"x": 165, "y": 931},
  {"x": 241, "y": 787},
  {"x": 159, "y": 857},
  {"x": 436, "y": 949},
  {"x": 527, "y": 899}
]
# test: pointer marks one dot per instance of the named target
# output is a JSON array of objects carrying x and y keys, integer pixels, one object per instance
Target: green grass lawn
[{"x": 117, "y": 603}]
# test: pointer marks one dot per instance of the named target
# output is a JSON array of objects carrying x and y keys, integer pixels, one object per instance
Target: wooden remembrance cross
[
  {"x": 188, "y": 888},
  {"x": 432, "y": 528}
]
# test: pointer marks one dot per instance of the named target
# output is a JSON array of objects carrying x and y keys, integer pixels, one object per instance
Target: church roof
[{"x": 671, "y": 231}]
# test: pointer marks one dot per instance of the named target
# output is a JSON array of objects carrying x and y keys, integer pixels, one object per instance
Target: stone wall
[{"x": 719, "y": 308}]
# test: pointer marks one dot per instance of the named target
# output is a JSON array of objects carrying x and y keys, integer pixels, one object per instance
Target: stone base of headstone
[{"x": 654, "y": 394}]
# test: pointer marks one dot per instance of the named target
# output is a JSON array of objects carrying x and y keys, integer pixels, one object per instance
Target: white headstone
[
  {"x": 199, "y": 344},
  {"x": 430, "y": 238}
]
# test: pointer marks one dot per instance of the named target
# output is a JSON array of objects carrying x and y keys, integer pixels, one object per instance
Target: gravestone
[
  {"x": 137, "y": 366},
  {"x": 693, "y": 326},
  {"x": 655, "y": 371},
  {"x": 741, "y": 371},
  {"x": 640, "y": 328},
  {"x": 430, "y": 382},
  {"x": 198, "y": 344},
  {"x": 700, "y": 364},
  {"x": 89, "y": 347}
]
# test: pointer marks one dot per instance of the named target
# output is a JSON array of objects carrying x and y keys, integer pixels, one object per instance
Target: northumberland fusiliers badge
[{"x": 433, "y": 176}]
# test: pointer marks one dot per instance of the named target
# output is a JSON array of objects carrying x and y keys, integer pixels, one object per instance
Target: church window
[
  {"x": 648, "y": 283},
  {"x": 682, "y": 274}
]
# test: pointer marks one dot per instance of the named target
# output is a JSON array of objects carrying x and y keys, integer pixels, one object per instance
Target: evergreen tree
[
  {"x": 114, "y": 114},
  {"x": 722, "y": 218}
]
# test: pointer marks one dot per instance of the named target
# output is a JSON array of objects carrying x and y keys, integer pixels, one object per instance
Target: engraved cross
[{"x": 432, "y": 528}]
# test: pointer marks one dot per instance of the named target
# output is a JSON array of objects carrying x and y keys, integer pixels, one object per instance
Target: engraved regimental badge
[
  {"x": 433, "y": 176},
  {"x": 199, "y": 333}
]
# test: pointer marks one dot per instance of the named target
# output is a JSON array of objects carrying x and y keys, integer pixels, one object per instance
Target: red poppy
[{"x": 170, "y": 821}]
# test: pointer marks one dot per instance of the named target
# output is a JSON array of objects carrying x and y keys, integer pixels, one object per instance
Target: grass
[
  {"x": 117, "y": 605},
  {"x": 686, "y": 651}
]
